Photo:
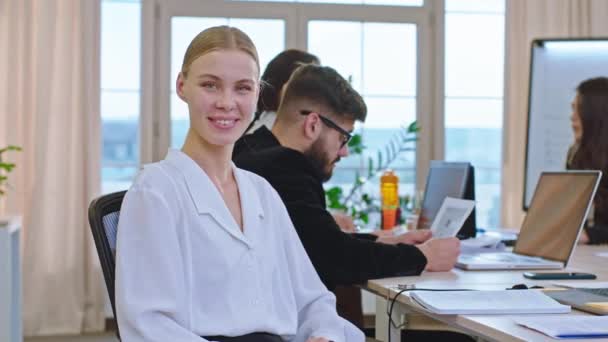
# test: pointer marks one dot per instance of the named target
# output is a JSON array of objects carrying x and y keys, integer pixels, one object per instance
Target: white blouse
[{"x": 184, "y": 268}]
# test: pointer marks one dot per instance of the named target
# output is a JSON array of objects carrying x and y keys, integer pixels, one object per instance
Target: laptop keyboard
[
  {"x": 599, "y": 292},
  {"x": 508, "y": 257}
]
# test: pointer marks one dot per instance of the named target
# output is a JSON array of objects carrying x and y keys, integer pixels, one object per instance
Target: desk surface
[{"x": 492, "y": 327}]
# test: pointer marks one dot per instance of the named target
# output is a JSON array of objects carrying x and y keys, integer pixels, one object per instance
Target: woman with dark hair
[
  {"x": 277, "y": 72},
  {"x": 590, "y": 150}
]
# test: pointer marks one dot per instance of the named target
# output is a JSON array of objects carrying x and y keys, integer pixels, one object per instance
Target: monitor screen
[
  {"x": 556, "y": 214},
  {"x": 447, "y": 179}
]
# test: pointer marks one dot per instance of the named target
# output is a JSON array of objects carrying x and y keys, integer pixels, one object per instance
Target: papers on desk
[
  {"x": 451, "y": 217},
  {"x": 567, "y": 327},
  {"x": 488, "y": 302},
  {"x": 602, "y": 254}
]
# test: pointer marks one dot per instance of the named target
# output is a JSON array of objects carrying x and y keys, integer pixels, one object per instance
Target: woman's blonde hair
[{"x": 216, "y": 38}]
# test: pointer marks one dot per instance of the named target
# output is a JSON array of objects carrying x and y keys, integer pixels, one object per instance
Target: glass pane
[
  {"x": 475, "y": 6},
  {"x": 474, "y": 60},
  {"x": 120, "y": 93},
  {"x": 180, "y": 121},
  {"x": 473, "y": 113},
  {"x": 119, "y": 104},
  {"x": 474, "y": 68},
  {"x": 120, "y": 44},
  {"x": 474, "y": 134},
  {"x": 389, "y": 112},
  {"x": 389, "y": 89},
  {"x": 390, "y": 69},
  {"x": 267, "y": 34},
  {"x": 338, "y": 44}
]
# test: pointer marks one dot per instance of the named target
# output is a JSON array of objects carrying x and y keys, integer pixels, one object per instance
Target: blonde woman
[{"x": 206, "y": 251}]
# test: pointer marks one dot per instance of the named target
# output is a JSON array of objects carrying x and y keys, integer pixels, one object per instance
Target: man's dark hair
[
  {"x": 276, "y": 74},
  {"x": 323, "y": 85}
]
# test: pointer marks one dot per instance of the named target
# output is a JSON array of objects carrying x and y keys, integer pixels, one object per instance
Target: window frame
[{"x": 155, "y": 120}]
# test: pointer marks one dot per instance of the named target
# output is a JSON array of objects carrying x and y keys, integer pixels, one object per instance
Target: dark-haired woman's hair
[
  {"x": 592, "y": 153},
  {"x": 277, "y": 73}
]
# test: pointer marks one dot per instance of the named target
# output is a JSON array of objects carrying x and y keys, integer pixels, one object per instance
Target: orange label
[{"x": 389, "y": 218}]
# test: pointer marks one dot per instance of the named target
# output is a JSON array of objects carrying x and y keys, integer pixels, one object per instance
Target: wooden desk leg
[{"x": 382, "y": 321}]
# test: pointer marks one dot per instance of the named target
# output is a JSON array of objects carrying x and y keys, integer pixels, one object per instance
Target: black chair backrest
[{"x": 103, "y": 219}]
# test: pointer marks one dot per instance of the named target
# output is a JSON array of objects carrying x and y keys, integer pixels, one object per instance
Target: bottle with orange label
[{"x": 389, "y": 196}]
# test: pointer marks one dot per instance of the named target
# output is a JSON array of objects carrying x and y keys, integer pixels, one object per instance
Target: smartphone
[{"x": 558, "y": 275}]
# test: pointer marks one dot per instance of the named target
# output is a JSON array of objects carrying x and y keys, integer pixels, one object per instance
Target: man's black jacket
[{"x": 339, "y": 258}]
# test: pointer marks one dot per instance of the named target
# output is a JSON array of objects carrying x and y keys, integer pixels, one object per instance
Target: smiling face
[{"x": 221, "y": 89}]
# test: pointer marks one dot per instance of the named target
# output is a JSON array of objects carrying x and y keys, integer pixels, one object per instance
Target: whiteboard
[{"x": 557, "y": 67}]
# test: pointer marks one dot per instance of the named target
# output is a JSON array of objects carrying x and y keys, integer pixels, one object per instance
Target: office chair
[{"x": 103, "y": 219}]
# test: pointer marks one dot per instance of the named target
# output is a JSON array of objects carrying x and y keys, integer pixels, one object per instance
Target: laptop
[
  {"x": 590, "y": 300},
  {"x": 448, "y": 179},
  {"x": 549, "y": 233}
]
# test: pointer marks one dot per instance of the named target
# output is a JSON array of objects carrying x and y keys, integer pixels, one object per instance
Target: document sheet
[
  {"x": 451, "y": 217},
  {"x": 567, "y": 327}
]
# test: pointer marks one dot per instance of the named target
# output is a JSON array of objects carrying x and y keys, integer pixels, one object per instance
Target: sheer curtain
[
  {"x": 527, "y": 20},
  {"x": 49, "y": 105}
]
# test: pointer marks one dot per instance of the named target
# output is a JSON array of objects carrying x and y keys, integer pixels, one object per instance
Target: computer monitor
[{"x": 448, "y": 179}]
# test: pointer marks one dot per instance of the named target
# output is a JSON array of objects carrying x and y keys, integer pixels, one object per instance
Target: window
[
  {"x": 474, "y": 59},
  {"x": 362, "y": 49},
  {"x": 384, "y": 73},
  {"x": 120, "y": 92}
]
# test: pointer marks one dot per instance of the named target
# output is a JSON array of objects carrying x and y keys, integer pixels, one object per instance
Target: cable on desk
[{"x": 404, "y": 288}]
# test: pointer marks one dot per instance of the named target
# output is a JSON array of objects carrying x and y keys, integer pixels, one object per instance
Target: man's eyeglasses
[{"x": 346, "y": 136}]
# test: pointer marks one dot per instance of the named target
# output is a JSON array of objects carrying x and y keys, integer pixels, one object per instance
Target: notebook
[
  {"x": 488, "y": 302},
  {"x": 548, "y": 235},
  {"x": 571, "y": 327}
]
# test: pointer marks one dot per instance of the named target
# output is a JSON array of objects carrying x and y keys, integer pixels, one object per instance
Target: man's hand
[
  {"x": 410, "y": 238},
  {"x": 317, "y": 339},
  {"x": 441, "y": 254},
  {"x": 345, "y": 222}
]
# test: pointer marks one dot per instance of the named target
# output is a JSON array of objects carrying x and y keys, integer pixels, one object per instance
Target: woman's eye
[
  {"x": 243, "y": 89},
  {"x": 209, "y": 85}
]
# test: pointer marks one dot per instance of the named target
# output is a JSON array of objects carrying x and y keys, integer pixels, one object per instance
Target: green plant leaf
[
  {"x": 7, "y": 166},
  {"x": 413, "y": 127},
  {"x": 355, "y": 144}
]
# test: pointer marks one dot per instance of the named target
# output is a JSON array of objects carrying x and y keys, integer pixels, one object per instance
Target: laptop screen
[
  {"x": 556, "y": 214},
  {"x": 445, "y": 179}
]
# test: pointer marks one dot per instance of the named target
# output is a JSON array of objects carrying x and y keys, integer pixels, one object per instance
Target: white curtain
[
  {"x": 527, "y": 20},
  {"x": 49, "y": 105}
]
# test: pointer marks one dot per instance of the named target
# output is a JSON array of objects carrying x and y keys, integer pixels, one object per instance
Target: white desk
[
  {"x": 10, "y": 282},
  {"x": 486, "y": 327}
]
